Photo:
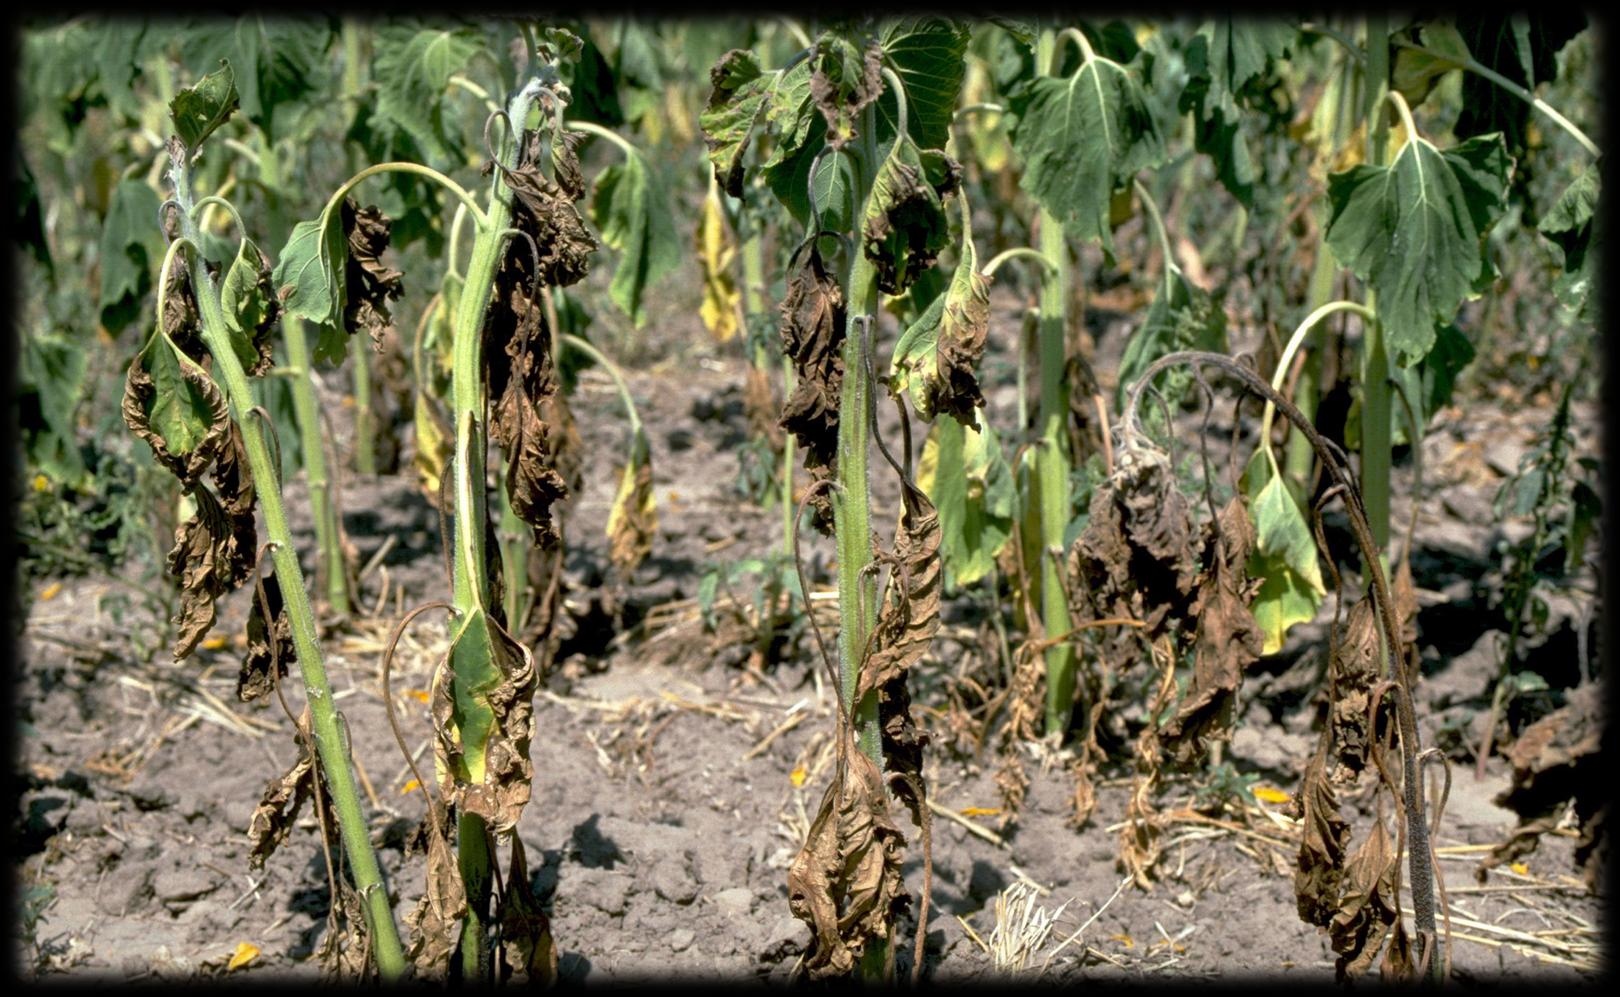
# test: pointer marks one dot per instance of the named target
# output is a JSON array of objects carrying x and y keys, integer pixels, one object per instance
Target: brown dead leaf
[
  {"x": 841, "y": 101},
  {"x": 526, "y": 949},
  {"x": 255, "y": 679},
  {"x": 212, "y": 555},
  {"x": 1352, "y": 673},
  {"x": 434, "y": 926},
  {"x": 845, "y": 882},
  {"x": 345, "y": 952},
  {"x": 1367, "y": 905},
  {"x": 1227, "y": 639},
  {"x": 368, "y": 284},
  {"x": 1326, "y": 835},
  {"x": 283, "y": 799},
  {"x": 812, "y": 330}
]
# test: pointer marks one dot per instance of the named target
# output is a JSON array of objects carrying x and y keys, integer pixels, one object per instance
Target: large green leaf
[
  {"x": 632, "y": 212},
  {"x": 131, "y": 251},
  {"x": 51, "y": 385},
  {"x": 832, "y": 191},
  {"x": 309, "y": 271},
  {"x": 790, "y": 114},
  {"x": 936, "y": 358},
  {"x": 1223, "y": 59},
  {"x": 1284, "y": 556},
  {"x": 739, "y": 96},
  {"x": 928, "y": 53},
  {"x": 199, "y": 109},
  {"x": 472, "y": 660},
  {"x": 966, "y": 476},
  {"x": 1573, "y": 226},
  {"x": 1081, "y": 137},
  {"x": 1415, "y": 231},
  {"x": 279, "y": 62},
  {"x": 412, "y": 71}
]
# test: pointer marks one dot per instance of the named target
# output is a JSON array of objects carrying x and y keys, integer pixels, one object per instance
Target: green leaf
[
  {"x": 131, "y": 251},
  {"x": 738, "y": 99},
  {"x": 182, "y": 413},
  {"x": 1573, "y": 226},
  {"x": 965, "y": 475},
  {"x": 903, "y": 225},
  {"x": 936, "y": 358},
  {"x": 1415, "y": 231},
  {"x": 1427, "y": 384},
  {"x": 1182, "y": 317},
  {"x": 845, "y": 78},
  {"x": 472, "y": 659},
  {"x": 1284, "y": 556},
  {"x": 199, "y": 109},
  {"x": 1080, "y": 138},
  {"x": 412, "y": 71},
  {"x": 244, "y": 302},
  {"x": 1223, "y": 59},
  {"x": 832, "y": 191},
  {"x": 790, "y": 114},
  {"x": 51, "y": 385},
  {"x": 309, "y": 271},
  {"x": 1415, "y": 73},
  {"x": 928, "y": 53},
  {"x": 632, "y": 212},
  {"x": 280, "y": 61}
]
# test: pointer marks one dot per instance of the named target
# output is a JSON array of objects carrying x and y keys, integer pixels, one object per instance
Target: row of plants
[{"x": 839, "y": 169}]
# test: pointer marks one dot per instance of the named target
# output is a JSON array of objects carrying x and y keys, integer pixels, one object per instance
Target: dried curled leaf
[
  {"x": 212, "y": 555},
  {"x": 843, "y": 81},
  {"x": 909, "y": 618},
  {"x": 813, "y": 323},
  {"x": 1367, "y": 904},
  {"x": 283, "y": 800},
  {"x": 435, "y": 923},
  {"x": 904, "y": 228},
  {"x": 368, "y": 284},
  {"x": 1137, "y": 558},
  {"x": 526, "y": 949},
  {"x": 633, "y": 519},
  {"x": 267, "y": 647},
  {"x": 845, "y": 882},
  {"x": 1352, "y": 673},
  {"x": 345, "y": 952},
  {"x": 738, "y": 98},
  {"x": 938, "y": 356},
  {"x": 1227, "y": 639},
  {"x": 546, "y": 209},
  {"x": 1320, "y": 868}
]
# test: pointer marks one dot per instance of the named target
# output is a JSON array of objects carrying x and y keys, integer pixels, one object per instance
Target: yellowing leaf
[
  {"x": 410, "y": 787},
  {"x": 1270, "y": 794},
  {"x": 51, "y": 591},
  {"x": 979, "y": 811},
  {"x": 798, "y": 775},
  {"x": 1520, "y": 868},
  {"x": 214, "y": 643},
  {"x": 245, "y": 953},
  {"x": 717, "y": 252}
]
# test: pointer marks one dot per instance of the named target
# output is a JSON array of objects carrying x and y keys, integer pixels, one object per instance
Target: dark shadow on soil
[{"x": 596, "y": 850}]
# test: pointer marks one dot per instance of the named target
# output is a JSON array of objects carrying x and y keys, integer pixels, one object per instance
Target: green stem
[
  {"x": 1018, "y": 253},
  {"x": 1473, "y": 66},
  {"x": 612, "y": 369},
  {"x": 591, "y": 128},
  {"x": 365, "y": 450},
  {"x": 1295, "y": 342},
  {"x": 1170, "y": 268},
  {"x": 1051, "y": 453},
  {"x": 324, "y": 718},
  {"x": 312, "y": 443}
]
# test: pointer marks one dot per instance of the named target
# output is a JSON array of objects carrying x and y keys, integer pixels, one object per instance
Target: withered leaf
[
  {"x": 903, "y": 227},
  {"x": 633, "y": 519},
  {"x": 1352, "y": 673},
  {"x": 526, "y": 949},
  {"x": 435, "y": 923},
  {"x": 1227, "y": 640},
  {"x": 1320, "y": 868},
  {"x": 1138, "y": 557},
  {"x": 845, "y": 882},
  {"x": 843, "y": 81},
  {"x": 369, "y": 285},
  {"x": 283, "y": 800},
  {"x": 1366, "y": 906},
  {"x": 909, "y": 618},
  {"x": 212, "y": 554},
  {"x": 546, "y": 210},
  {"x": 345, "y": 952},
  {"x": 813, "y": 322},
  {"x": 268, "y": 647}
]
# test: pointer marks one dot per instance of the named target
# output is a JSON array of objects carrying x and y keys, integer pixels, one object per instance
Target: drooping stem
[
  {"x": 1051, "y": 453},
  {"x": 1018, "y": 253},
  {"x": 1419, "y": 858},
  {"x": 1295, "y": 342},
  {"x": 1170, "y": 268},
  {"x": 324, "y": 718}
]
